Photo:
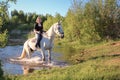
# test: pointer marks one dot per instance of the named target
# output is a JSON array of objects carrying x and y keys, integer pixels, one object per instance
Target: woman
[{"x": 38, "y": 29}]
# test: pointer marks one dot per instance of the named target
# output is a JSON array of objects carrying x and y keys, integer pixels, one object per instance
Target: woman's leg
[{"x": 38, "y": 37}]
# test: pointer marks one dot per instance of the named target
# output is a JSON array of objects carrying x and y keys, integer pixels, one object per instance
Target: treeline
[
  {"x": 85, "y": 22},
  {"x": 93, "y": 21},
  {"x": 19, "y": 17},
  {"x": 21, "y": 20},
  {"x": 25, "y": 21},
  {"x": 90, "y": 22}
]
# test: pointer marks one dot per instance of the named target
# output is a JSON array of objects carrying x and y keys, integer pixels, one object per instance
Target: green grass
[
  {"x": 98, "y": 62},
  {"x": 90, "y": 70}
]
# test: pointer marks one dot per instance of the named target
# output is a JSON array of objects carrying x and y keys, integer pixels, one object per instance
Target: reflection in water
[
  {"x": 64, "y": 53},
  {"x": 59, "y": 57},
  {"x": 10, "y": 68},
  {"x": 27, "y": 70}
]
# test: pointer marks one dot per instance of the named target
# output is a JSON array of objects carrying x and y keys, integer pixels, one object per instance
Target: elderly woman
[{"x": 38, "y": 29}]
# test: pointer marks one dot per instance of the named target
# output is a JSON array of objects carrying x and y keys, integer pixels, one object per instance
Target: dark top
[{"x": 38, "y": 28}]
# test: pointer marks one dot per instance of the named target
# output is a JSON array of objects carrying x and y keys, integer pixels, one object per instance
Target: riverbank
[{"x": 98, "y": 62}]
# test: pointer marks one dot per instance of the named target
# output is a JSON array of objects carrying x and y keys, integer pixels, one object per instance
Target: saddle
[{"x": 37, "y": 41}]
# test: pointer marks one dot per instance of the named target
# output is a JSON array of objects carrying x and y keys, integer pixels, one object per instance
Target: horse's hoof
[{"x": 50, "y": 64}]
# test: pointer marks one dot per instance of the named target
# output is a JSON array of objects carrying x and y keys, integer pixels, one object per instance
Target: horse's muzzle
[{"x": 62, "y": 35}]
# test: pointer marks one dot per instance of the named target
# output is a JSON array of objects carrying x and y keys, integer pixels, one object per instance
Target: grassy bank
[{"x": 98, "y": 62}]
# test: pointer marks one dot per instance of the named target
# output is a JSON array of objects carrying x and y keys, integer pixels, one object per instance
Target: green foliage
[
  {"x": 19, "y": 17},
  {"x": 48, "y": 23},
  {"x": 1, "y": 72},
  {"x": 3, "y": 38},
  {"x": 14, "y": 19},
  {"x": 3, "y": 20},
  {"x": 85, "y": 22},
  {"x": 25, "y": 27},
  {"x": 80, "y": 26},
  {"x": 92, "y": 21},
  {"x": 51, "y": 20},
  {"x": 106, "y": 17}
]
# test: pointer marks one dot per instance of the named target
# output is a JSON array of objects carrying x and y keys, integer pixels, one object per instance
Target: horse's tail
[{"x": 23, "y": 54}]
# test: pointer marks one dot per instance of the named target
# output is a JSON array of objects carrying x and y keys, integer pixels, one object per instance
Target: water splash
[{"x": 11, "y": 65}]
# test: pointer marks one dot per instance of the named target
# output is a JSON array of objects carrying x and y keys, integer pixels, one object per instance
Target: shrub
[
  {"x": 1, "y": 72},
  {"x": 3, "y": 38}
]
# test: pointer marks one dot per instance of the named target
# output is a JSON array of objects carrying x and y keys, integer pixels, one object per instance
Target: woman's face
[{"x": 38, "y": 20}]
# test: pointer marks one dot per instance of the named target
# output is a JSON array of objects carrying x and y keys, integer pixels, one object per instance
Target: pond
[{"x": 59, "y": 59}]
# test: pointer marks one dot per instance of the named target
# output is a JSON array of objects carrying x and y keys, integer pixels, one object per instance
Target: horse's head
[{"x": 58, "y": 29}]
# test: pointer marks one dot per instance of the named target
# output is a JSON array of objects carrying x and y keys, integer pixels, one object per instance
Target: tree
[
  {"x": 34, "y": 16},
  {"x": 14, "y": 13},
  {"x": 1, "y": 72},
  {"x": 80, "y": 25},
  {"x": 3, "y": 20},
  {"x": 93, "y": 21},
  {"x": 58, "y": 17},
  {"x": 29, "y": 18},
  {"x": 48, "y": 22},
  {"x": 106, "y": 17},
  {"x": 21, "y": 16}
]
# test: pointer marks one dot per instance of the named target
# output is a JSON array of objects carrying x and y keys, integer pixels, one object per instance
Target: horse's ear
[{"x": 59, "y": 22}]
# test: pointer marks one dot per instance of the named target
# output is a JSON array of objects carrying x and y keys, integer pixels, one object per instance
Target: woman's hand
[{"x": 36, "y": 31}]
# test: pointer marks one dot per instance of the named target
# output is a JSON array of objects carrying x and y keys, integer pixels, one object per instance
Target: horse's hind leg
[
  {"x": 29, "y": 52},
  {"x": 23, "y": 54}
]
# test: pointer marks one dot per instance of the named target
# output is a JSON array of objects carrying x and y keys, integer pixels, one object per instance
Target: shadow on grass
[
  {"x": 104, "y": 56},
  {"x": 98, "y": 57}
]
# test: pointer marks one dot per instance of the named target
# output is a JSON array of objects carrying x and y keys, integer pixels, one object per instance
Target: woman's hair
[{"x": 38, "y": 20}]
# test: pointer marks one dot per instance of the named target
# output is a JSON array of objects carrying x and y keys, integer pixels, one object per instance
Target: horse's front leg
[
  {"x": 49, "y": 56},
  {"x": 43, "y": 54}
]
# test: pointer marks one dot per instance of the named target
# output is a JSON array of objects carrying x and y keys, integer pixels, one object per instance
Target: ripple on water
[{"x": 16, "y": 68}]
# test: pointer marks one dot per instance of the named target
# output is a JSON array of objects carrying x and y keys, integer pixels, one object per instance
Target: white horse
[{"x": 46, "y": 42}]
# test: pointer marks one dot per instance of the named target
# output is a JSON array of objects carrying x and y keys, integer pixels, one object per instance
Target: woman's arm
[{"x": 35, "y": 31}]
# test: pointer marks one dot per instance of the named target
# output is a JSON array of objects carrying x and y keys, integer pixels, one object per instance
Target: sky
[{"x": 42, "y": 6}]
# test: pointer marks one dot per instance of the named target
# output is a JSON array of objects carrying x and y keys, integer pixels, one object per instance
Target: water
[{"x": 58, "y": 59}]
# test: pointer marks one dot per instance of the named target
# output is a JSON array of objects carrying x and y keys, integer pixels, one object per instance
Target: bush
[
  {"x": 1, "y": 73},
  {"x": 3, "y": 38},
  {"x": 25, "y": 27}
]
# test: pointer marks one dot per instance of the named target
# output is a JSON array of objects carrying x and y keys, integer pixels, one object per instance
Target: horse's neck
[{"x": 51, "y": 33}]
